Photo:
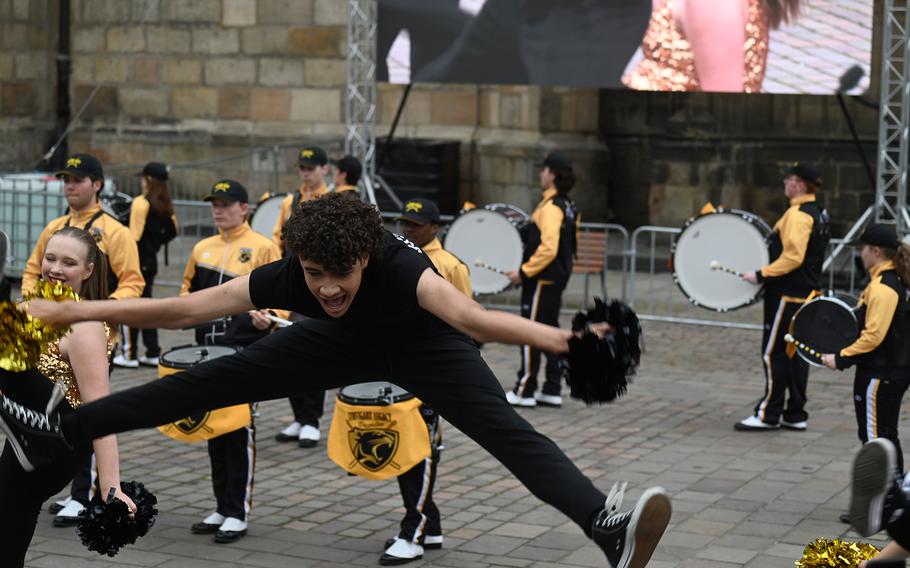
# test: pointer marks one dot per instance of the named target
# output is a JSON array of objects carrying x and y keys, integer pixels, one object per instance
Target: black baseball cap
[
  {"x": 420, "y": 211},
  {"x": 155, "y": 170},
  {"x": 312, "y": 156},
  {"x": 805, "y": 171},
  {"x": 557, "y": 161},
  {"x": 878, "y": 235},
  {"x": 228, "y": 190},
  {"x": 351, "y": 166},
  {"x": 82, "y": 166}
]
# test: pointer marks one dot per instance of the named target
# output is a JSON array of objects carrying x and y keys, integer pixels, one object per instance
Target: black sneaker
[
  {"x": 34, "y": 436},
  {"x": 875, "y": 493},
  {"x": 629, "y": 539}
]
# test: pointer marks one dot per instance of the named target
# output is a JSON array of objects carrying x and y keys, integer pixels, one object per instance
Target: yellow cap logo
[
  {"x": 73, "y": 163},
  {"x": 222, "y": 186},
  {"x": 307, "y": 154},
  {"x": 413, "y": 206}
]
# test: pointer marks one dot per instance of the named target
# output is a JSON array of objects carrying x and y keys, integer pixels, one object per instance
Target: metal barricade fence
[{"x": 24, "y": 211}]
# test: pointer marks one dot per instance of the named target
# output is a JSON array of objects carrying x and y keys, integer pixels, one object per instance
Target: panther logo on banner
[{"x": 374, "y": 448}]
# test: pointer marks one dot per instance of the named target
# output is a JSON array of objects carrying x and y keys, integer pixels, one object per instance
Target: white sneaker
[
  {"x": 121, "y": 361},
  {"x": 801, "y": 426},
  {"x": 516, "y": 400},
  {"x": 308, "y": 437},
  {"x": 754, "y": 424},
  {"x": 548, "y": 399},
  {"x": 401, "y": 552},
  {"x": 432, "y": 541},
  {"x": 148, "y": 361},
  {"x": 69, "y": 515},
  {"x": 290, "y": 433}
]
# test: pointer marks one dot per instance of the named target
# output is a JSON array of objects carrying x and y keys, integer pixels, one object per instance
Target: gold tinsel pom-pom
[
  {"x": 824, "y": 553},
  {"x": 22, "y": 337}
]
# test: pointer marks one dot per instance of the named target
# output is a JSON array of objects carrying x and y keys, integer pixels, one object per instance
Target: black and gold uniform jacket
[
  {"x": 343, "y": 188},
  {"x": 449, "y": 266},
  {"x": 114, "y": 240},
  {"x": 884, "y": 313},
  {"x": 287, "y": 206},
  {"x": 223, "y": 257},
  {"x": 550, "y": 243},
  {"x": 797, "y": 248},
  {"x": 150, "y": 232}
]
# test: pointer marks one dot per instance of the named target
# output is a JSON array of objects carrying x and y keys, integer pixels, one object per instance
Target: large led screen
[{"x": 769, "y": 46}]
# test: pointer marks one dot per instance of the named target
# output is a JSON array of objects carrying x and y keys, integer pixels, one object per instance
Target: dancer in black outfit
[{"x": 375, "y": 309}]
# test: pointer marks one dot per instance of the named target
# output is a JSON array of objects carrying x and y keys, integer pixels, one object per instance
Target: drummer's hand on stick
[
  {"x": 514, "y": 276},
  {"x": 829, "y": 360},
  {"x": 750, "y": 277},
  {"x": 260, "y": 319}
]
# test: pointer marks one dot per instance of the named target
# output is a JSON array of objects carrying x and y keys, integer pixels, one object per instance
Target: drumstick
[
  {"x": 280, "y": 321},
  {"x": 803, "y": 347},
  {"x": 716, "y": 265},
  {"x": 481, "y": 264}
]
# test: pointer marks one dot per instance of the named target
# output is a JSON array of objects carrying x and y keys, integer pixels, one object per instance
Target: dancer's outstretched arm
[{"x": 230, "y": 298}]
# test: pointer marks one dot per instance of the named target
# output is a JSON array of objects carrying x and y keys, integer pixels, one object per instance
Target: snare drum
[
  {"x": 377, "y": 431},
  {"x": 737, "y": 240},
  {"x": 825, "y": 324},
  {"x": 266, "y": 215},
  {"x": 206, "y": 425},
  {"x": 491, "y": 235}
]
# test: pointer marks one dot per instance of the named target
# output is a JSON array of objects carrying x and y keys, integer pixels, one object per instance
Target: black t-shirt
[{"x": 386, "y": 300}]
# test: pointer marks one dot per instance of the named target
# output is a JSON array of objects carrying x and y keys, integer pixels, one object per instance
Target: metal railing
[{"x": 24, "y": 211}]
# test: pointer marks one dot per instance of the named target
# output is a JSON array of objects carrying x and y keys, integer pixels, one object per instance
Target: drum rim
[
  {"x": 446, "y": 244},
  {"x": 179, "y": 365},
  {"x": 750, "y": 218},
  {"x": 407, "y": 395},
  {"x": 516, "y": 208}
]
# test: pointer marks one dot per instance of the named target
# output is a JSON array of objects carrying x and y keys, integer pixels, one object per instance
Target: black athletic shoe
[
  {"x": 875, "y": 493},
  {"x": 629, "y": 539},
  {"x": 34, "y": 436}
]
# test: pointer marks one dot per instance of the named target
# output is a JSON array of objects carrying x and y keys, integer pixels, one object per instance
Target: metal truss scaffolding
[
  {"x": 894, "y": 118},
  {"x": 360, "y": 94}
]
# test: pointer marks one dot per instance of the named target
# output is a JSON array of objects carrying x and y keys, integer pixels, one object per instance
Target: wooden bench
[{"x": 591, "y": 256}]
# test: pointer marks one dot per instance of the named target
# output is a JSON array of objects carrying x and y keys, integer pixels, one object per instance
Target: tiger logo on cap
[
  {"x": 73, "y": 163},
  {"x": 413, "y": 207},
  {"x": 222, "y": 186},
  {"x": 307, "y": 154}
]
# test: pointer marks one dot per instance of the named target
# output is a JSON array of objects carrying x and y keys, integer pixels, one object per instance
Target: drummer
[
  {"x": 346, "y": 173},
  {"x": 235, "y": 251},
  {"x": 549, "y": 249},
  {"x": 312, "y": 167},
  {"x": 421, "y": 527},
  {"x": 880, "y": 353},
  {"x": 797, "y": 248}
]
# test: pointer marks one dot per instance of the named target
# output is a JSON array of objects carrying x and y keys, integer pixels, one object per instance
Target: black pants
[
  {"x": 308, "y": 407},
  {"x": 540, "y": 301},
  {"x": 233, "y": 457},
  {"x": 85, "y": 480},
  {"x": 786, "y": 377},
  {"x": 445, "y": 370},
  {"x": 421, "y": 517},
  {"x": 877, "y": 400},
  {"x": 149, "y": 336}
]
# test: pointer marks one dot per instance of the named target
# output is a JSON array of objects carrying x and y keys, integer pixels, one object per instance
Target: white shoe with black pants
[{"x": 540, "y": 301}]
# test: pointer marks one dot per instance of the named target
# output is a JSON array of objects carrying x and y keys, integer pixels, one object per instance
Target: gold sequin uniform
[
  {"x": 669, "y": 64},
  {"x": 58, "y": 370}
]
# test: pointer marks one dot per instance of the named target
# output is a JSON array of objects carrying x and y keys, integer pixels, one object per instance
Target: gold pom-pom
[
  {"x": 22, "y": 337},
  {"x": 824, "y": 553}
]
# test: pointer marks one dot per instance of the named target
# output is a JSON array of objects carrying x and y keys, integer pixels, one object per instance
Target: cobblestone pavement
[{"x": 740, "y": 499}]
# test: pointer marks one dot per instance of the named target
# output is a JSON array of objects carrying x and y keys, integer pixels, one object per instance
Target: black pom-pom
[
  {"x": 598, "y": 369},
  {"x": 106, "y": 527}
]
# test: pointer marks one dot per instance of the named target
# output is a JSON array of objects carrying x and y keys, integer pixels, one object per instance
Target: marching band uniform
[
  {"x": 880, "y": 353},
  {"x": 347, "y": 173},
  {"x": 124, "y": 279},
  {"x": 797, "y": 246},
  {"x": 151, "y": 232},
  {"x": 549, "y": 251},
  {"x": 215, "y": 260},
  {"x": 309, "y": 406}
]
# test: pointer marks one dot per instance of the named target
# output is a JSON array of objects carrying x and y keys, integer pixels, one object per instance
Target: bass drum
[
  {"x": 737, "y": 240},
  {"x": 825, "y": 324},
  {"x": 491, "y": 237},
  {"x": 266, "y": 215}
]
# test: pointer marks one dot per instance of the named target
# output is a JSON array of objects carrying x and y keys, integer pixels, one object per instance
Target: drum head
[
  {"x": 734, "y": 240},
  {"x": 263, "y": 220},
  {"x": 186, "y": 357},
  {"x": 826, "y": 325},
  {"x": 375, "y": 393},
  {"x": 4, "y": 251},
  {"x": 491, "y": 238}
]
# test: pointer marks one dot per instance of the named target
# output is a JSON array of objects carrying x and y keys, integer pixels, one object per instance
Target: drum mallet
[
  {"x": 803, "y": 347},
  {"x": 481, "y": 264},
  {"x": 716, "y": 265},
  {"x": 280, "y": 321}
]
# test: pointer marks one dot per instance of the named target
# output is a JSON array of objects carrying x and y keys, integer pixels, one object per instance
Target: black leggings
[{"x": 444, "y": 370}]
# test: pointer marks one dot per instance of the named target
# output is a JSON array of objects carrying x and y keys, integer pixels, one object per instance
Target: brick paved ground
[{"x": 739, "y": 499}]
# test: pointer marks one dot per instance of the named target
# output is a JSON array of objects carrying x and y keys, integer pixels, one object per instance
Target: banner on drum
[{"x": 378, "y": 442}]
